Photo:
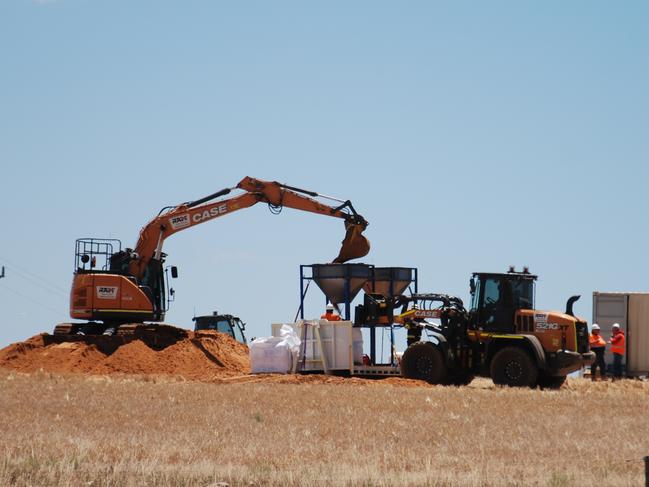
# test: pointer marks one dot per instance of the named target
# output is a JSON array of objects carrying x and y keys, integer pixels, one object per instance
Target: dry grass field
[{"x": 104, "y": 431}]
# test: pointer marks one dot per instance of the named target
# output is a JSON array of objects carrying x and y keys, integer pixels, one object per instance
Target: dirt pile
[
  {"x": 194, "y": 356},
  {"x": 205, "y": 356}
]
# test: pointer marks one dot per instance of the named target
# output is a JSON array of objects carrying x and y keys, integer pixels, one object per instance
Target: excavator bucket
[{"x": 355, "y": 245}]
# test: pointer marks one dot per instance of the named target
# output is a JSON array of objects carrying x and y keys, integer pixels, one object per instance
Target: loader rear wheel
[
  {"x": 513, "y": 366},
  {"x": 424, "y": 361},
  {"x": 551, "y": 382}
]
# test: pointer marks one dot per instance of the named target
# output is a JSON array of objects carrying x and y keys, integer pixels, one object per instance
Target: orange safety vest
[
  {"x": 330, "y": 317},
  {"x": 596, "y": 341},
  {"x": 618, "y": 343}
]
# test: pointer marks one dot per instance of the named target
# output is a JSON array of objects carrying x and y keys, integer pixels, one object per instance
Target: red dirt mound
[{"x": 194, "y": 356}]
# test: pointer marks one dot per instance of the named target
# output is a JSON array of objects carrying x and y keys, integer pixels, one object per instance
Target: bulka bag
[{"x": 274, "y": 355}]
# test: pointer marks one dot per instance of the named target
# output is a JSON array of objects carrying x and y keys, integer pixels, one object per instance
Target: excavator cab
[
  {"x": 103, "y": 288},
  {"x": 495, "y": 298}
]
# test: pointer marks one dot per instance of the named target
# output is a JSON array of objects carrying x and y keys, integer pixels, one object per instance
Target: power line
[
  {"x": 42, "y": 285},
  {"x": 57, "y": 311},
  {"x": 25, "y": 274},
  {"x": 27, "y": 271}
]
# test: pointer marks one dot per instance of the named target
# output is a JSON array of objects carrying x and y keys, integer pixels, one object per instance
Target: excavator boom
[
  {"x": 354, "y": 245},
  {"x": 276, "y": 195}
]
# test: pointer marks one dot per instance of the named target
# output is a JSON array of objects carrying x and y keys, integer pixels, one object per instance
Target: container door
[
  {"x": 609, "y": 308},
  {"x": 638, "y": 335}
]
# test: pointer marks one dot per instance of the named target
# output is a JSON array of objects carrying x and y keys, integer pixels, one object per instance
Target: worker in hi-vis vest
[
  {"x": 329, "y": 314},
  {"x": 597, "y": 345},
  {"x": 618, "y": 347}
]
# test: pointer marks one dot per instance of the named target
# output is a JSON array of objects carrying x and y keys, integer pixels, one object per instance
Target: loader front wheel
[
  {"x": 513, "y": 366},
  {"x": 424, "y": 361}
]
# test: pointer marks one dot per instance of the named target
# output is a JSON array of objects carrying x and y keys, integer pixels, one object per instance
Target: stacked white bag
[{"x": 275, "y": 354}]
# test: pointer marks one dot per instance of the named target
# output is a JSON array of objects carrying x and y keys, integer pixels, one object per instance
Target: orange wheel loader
[{"x": 501, "y": 336}]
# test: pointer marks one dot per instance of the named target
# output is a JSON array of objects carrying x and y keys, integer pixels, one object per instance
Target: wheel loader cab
[{"x": 495, "y": 298}]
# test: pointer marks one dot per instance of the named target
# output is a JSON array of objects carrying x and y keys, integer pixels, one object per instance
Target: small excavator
[{"x": 117, "y": 290}]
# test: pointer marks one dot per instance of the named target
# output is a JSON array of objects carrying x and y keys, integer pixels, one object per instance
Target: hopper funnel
[
  {"x": 390, "y": 281},
  {"x": 340, "y": 282}
]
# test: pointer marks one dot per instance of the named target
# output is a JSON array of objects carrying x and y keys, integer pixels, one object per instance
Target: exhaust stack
[{"x": 569, "y": 304}]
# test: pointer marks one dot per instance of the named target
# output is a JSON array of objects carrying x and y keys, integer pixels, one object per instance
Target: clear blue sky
[{"x": 472, "y": 135}]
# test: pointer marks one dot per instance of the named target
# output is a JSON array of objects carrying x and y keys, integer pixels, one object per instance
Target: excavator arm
[{"x": 174, "y": 219}]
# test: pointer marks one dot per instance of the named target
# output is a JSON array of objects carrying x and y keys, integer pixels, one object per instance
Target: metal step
[{"x": 376, "y": 370}]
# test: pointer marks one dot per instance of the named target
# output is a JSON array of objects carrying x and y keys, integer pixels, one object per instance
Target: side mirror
[
  {"x": 174, "y": 271},
  {"x": 472, "y": 286}
]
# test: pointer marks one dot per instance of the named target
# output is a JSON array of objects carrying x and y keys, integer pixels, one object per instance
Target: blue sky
[{"x": 471, "y": 135}]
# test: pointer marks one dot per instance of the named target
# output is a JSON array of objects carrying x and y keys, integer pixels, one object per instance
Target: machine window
[
  {"x": 475, "y": 299},
  {"x": 497, "y": 310},
  {"x": 491, "y": 291},
  {"x": 223, "y": 326},
  {"x": 238, "y": 335},
  {"x": 523, "y": 292}
]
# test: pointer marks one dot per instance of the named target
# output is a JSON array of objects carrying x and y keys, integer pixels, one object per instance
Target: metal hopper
[
  {"x": 340, "y": 282},
  {"x": 390, "y": 281}
]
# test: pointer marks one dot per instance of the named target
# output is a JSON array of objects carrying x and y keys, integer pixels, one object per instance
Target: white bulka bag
[{"x": 275, "y": 354}]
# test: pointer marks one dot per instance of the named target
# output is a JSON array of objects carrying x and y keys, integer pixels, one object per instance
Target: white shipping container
[
  {"x": 631, "y": 311},
  {"x": 638, "y": 336}
]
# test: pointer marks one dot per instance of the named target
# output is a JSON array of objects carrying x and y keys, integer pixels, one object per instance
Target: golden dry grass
[{"x": 77, "y": 430}]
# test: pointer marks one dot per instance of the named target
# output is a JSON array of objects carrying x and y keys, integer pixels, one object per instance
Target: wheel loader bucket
[{"x": 355, "y": 245}]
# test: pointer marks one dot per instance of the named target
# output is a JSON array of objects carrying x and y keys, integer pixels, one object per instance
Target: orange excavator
[{"x": 114, "y": 287}]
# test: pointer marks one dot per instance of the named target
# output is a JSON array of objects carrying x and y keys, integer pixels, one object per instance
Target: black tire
[
  {"x": 551, "y": 381},
  {"x": 513, "y": 366},
  {"x": 424, "y": 361}
]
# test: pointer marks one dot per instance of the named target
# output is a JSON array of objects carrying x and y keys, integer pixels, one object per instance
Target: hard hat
[
  {"x": 616, "y": 326},
  {"x": 330, "y": 307},
  {"x": 595, "y": 326}
]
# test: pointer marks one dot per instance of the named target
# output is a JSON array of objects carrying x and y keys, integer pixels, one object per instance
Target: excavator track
[
  {"x": 155, "y": 336},
  {"x": 63, "y": 329}
]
